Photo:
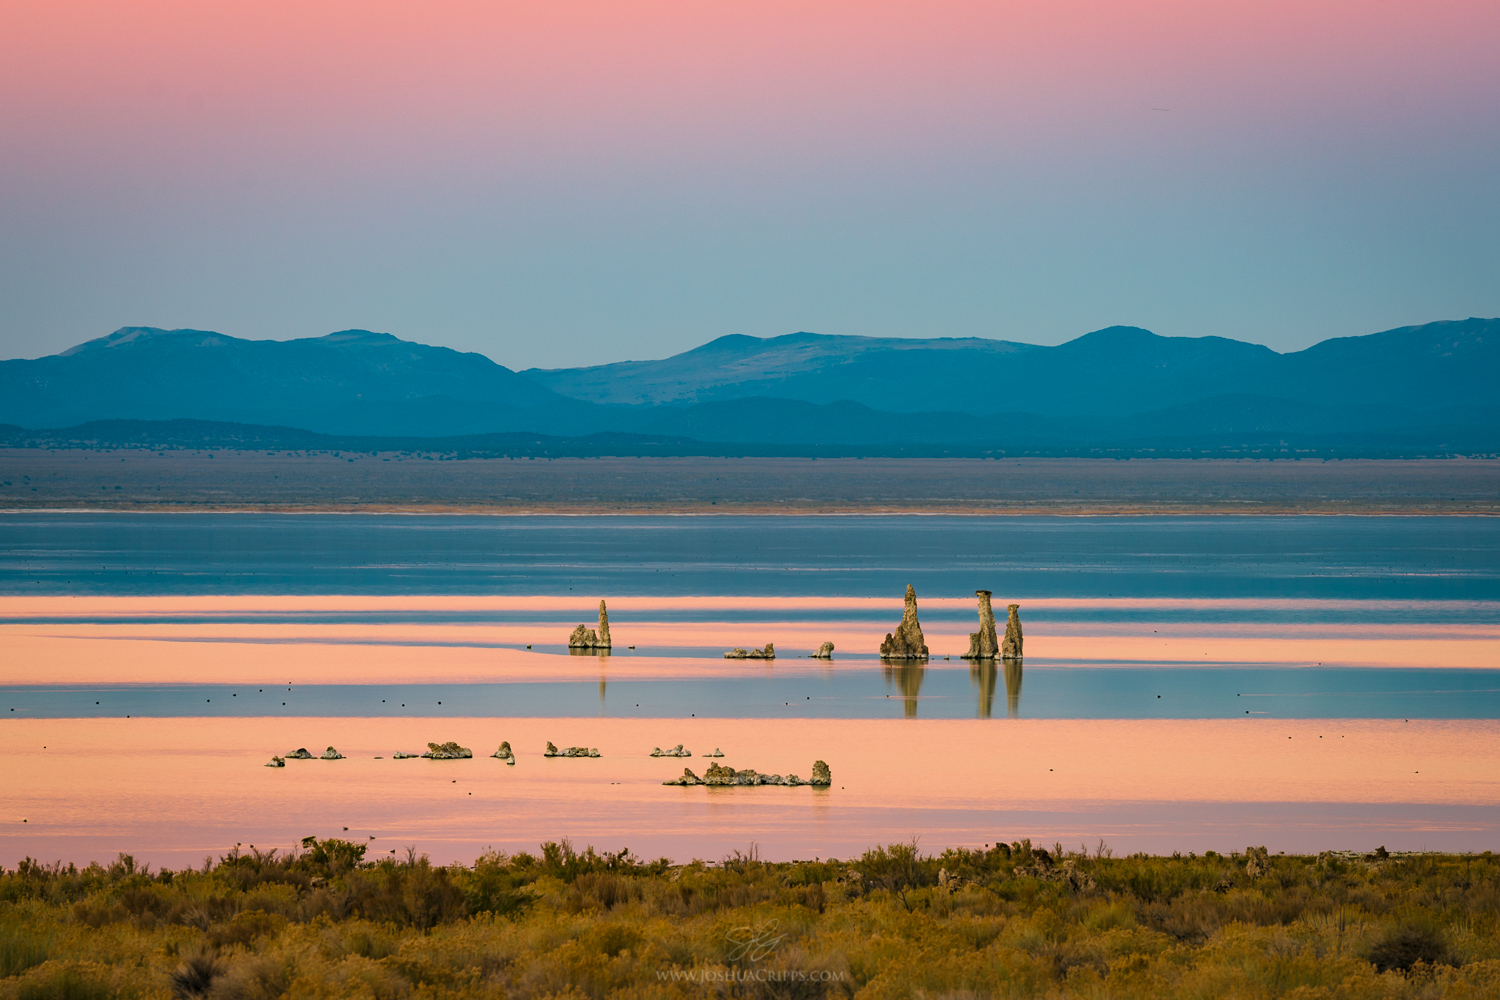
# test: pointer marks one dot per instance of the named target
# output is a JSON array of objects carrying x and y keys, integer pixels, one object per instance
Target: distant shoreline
[
  {"x": 78, "y": 480},
  {"x": 647, "y": 511}
]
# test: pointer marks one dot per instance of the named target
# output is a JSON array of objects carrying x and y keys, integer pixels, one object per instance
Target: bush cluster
[{"x": 1008, "y": 920}]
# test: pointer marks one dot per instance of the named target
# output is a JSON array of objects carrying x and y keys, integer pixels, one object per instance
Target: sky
[{"x": 567, "y": 182}]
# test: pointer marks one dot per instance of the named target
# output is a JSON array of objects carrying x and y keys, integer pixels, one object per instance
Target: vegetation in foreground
[{"x": 1011, "y": 921}]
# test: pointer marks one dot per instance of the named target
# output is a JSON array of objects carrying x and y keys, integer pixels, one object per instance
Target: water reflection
[
  {"x": 908, "y": 676},
  {"x": 982, "y": 673},
  {"x": 603, "y": 654},
  {"x": 1013, "y": 687}
]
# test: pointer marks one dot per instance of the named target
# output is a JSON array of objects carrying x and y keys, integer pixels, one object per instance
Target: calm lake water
[{"x": 1189, "y": 683}]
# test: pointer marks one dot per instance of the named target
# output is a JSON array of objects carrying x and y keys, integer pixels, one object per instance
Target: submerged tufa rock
[
  {"x": 676, "y": 751},
  {"x": 717, "y": 753},
  {"x": 299, "y": 754},
  {"x": 504, "y": 753},
  {"x": 769, "y": 653},
  {"x": 276, "y": 762},
  {"x": 1010, "y": 649},
  {"x": 552, "y": 751},
  {"x": 825, "y": 652},
  {"x": 331, "y": 754},
  {"x": 584, "y": 637},
  {"x": 718, "y": 775},
  {"x": 982, "y": 644},
  {"x": 906, "y": 643},
  {"x": 402, "y": 755},
  {"x": 447, "y": 751}
]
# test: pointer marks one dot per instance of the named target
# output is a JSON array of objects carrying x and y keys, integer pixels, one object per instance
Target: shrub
[
  {"x": 64, "y": 984},
  {"x": 21, "y": 948},
  {"x": 1405, "y": 945}
]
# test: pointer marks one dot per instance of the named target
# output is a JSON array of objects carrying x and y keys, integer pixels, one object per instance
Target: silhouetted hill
[
  {"x": 1415, "y": 390},
  {"x": 209, "y": 435},
  {"x": 353, "y": 381},
  {"x": 808, "y": 366},
  {"x": 1119, "y": 370}
]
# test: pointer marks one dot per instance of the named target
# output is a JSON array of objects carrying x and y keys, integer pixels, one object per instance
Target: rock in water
[
  {"x": 821, "y": 775},
  {"x": 403, "y": 755},
  {"x": 676, "y": 751},
  {"x": 769, "y": 653},
  {"x": 603, "y": 627},
  {"x": 982, "y": 644},
  {"x": 906, "y": 643},
  {"x": 1010, "y": 649},
  {"x": 718, "y": 774},
  {"x": 299, "y": 754},
  {"x": 276, "y": 762},
  {"x": 332, "y": 754},
  {"x": 447, "y": 751},
  {"x": 552, "y": 751},
  {"x": 825, "y": 652},
  {"x": 584, "y": 637},
  {"x": 717, "y": 753},
  {"x": 504, "y": 753}
]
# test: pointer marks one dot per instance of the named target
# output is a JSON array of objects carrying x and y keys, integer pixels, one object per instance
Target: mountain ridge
[
  {"x": 1427, "y": 386},
  {"x": 1106, "y": 371}
]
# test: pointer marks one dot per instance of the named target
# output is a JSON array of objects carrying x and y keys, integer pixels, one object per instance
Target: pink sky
[{"x": 631, "y": 178}]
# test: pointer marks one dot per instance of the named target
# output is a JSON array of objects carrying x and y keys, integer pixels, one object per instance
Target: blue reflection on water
[
  {"x": 1405, "y": 558},
  {"x": 879, "y": 692}
]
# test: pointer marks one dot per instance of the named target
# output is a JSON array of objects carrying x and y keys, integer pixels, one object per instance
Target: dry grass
[{"x": 1011, "y": 921}]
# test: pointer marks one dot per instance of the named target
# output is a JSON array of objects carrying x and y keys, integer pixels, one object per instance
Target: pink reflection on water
[
  {"x": 173, "y": 790},
  {"x": 175, "y": 653}
]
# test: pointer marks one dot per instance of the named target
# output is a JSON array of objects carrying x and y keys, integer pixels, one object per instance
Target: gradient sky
[{"x": 568, "y": 182}]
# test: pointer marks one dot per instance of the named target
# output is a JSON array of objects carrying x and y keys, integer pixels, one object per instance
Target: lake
[{"x": 1189, "y": 683}]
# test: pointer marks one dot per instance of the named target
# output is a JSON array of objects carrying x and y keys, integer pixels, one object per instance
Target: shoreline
[
  {"x": 761, "y": 511},
  {"x": 79, "y": 481},
  {"x": 1247, "y": 508}
]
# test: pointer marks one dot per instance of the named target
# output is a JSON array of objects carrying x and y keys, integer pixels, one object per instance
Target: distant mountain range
[{"x": 1415, "y": 390}]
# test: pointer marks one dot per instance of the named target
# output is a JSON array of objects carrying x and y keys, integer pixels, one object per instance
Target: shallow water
[
  {"x": 1168, "y": 661},
  {"x": 1404, "y": 558}
]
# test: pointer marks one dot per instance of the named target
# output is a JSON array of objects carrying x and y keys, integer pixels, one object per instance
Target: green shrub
[
  {"x": 64, "y": 984},
  {"x": 1009, "y": 921},
  {"x": 20, "y": 949}
]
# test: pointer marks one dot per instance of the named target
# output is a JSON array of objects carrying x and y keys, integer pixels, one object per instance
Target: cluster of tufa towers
[
  {"x": 584, "y": 637},
  {"x": 907, "y": 642},
  {"x": 982, "y": 644}
]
